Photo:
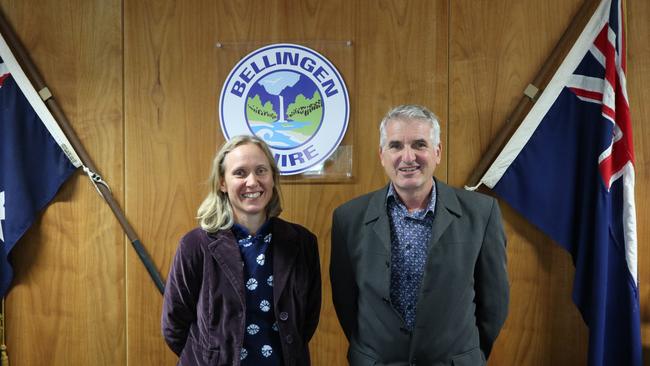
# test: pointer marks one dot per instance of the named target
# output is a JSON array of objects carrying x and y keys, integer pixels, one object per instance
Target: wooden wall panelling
[
  {"x": 67, "y": 303},
  {"x": 638, "y": 79},
  {"x": 491, "y": 62},
  {"x": 402, "y": 59},
  {"x": 170, "y": 137}
]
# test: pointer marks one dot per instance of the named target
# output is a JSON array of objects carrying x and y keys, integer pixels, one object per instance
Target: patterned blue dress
[{"x": 262, "y": 345}]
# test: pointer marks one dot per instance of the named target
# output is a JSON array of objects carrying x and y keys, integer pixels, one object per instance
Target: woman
[{"x": 244, "y": 288}]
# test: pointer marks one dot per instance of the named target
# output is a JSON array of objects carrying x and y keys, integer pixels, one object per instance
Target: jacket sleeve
[
  {"x": 491, "y": 282},
  {"x": 181, "y": 294},
  {"x": 314, "y": 291},
  {"x": 344, "y": 290}
]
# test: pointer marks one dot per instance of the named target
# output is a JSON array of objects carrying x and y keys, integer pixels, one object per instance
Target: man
[{"x": 418, "y": 268}]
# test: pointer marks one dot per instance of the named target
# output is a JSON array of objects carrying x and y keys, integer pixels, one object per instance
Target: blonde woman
[{"x": 244, "y": 288}]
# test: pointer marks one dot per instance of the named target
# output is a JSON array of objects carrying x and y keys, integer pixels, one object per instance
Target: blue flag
[
  {"x": 569, "y": 169},
  {"x": 35, "y": 158}
]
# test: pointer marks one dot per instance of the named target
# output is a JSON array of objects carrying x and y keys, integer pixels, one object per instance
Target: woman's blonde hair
[{"x": 215, "y": 212}]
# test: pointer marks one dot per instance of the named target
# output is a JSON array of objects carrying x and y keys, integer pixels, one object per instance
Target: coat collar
[
  {"x": 447, "y": 208},
  {"x": 223, "y": 248},
  {"x": 285, "y": 250},
  {"x": 377, "y": 216}
]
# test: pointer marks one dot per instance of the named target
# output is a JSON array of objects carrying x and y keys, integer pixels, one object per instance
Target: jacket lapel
[
  {"x": 285, "y": 250},
  {"x": 377, "y": 217},
  {"x": 226, "y": 253},
  {"x": 447, "y": 209}
]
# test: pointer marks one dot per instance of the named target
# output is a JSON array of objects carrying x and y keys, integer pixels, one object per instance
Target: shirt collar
[
  {"x": 393, "y": 197},
  {"x": 242, "y": 232}
]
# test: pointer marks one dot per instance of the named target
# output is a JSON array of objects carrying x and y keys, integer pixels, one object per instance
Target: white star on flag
[{"x": 2, "y": 214}]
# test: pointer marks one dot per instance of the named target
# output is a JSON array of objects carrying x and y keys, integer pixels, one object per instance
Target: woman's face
[{"x": 248, "y": 181}]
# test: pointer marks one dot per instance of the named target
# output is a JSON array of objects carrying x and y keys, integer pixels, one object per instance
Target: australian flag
[
  {"x": 569, "y": 169},
  {"x": 35, "y": 158}
]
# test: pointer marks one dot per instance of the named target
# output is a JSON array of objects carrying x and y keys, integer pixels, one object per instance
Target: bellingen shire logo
[{"x": 293, "y": 98}]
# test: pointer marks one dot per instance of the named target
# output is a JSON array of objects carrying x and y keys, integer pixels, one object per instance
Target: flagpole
[
  {"x": 4, "y": 359},
  {"x": 89, "y": 168},
  {"x": 534, "y": 89}
]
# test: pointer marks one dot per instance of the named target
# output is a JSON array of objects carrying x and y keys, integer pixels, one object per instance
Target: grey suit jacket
[{"x": 463, "y": 300}]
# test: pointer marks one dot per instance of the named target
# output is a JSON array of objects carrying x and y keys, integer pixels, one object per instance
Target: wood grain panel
[
  {"x": 490, "y": 65},
  {"x": 67, "y": 303},
  {"x": 402, "y": 59},
  {"x": 170, "y": 137}
]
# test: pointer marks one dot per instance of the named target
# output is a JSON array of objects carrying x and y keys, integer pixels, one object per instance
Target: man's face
[{"x": 409, "y": 156}]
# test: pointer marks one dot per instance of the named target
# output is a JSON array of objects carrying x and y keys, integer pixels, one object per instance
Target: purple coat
[{"x": 204, "y": 304}]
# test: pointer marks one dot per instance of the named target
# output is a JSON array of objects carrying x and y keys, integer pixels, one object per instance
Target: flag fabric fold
[
  {"x": 569, "y": 170},
  {"x": 35, "y": 158}
]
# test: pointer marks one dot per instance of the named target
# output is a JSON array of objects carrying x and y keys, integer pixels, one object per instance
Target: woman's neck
[{"x": 251, "y": 223}]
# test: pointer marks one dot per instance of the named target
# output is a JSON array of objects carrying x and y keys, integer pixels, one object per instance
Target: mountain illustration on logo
[{"x": 284, "y": 108}]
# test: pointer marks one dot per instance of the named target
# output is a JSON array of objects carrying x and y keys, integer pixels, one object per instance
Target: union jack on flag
[
  {"x": 609, "y": 91},
  {"x": 569, "y": 169}
]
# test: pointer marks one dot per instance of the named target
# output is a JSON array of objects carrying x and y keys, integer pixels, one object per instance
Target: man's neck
[{"x": 415, "y": 200}]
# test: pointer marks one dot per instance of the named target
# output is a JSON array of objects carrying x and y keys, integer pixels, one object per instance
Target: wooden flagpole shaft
[
  {"x": 38, "y": 83},
  {"x": 4, "y": 359},
  {"x": 544, "y": 75}
]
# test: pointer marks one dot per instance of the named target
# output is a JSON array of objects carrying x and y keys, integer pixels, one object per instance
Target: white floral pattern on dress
[
  {"x": 260, "y": 259},
  {"x": 253, "y": 329},
  {"x": 265, "y": 306},
  {"x": 267, "y": 350},
  {"x": 261, "y": 336},
  {"x": 251, "y": 284}
]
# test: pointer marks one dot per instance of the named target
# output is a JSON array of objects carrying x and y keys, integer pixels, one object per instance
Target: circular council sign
[{"x": 291, "y": 97}]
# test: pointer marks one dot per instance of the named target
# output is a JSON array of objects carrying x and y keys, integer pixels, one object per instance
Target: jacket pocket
[
  {"x": 209, "y": 355},
  {"x": 195, "y": 353},
  {"x": 473, "y": 357},
  {"x": 357, "y": 358}
]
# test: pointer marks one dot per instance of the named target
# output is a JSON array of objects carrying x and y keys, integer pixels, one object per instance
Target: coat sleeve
[
  {"x": 491, "y": 282},
  {"x": 314, "y": 291},
  {"x": 181, "y": 294},
  {"x": 344, "y": 289}
]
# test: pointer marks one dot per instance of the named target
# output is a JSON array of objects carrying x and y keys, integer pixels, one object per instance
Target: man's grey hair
[{"x": 407, "y": 112}]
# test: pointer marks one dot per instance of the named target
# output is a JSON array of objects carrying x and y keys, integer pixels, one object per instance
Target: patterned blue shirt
[
  {"x": 261, "y": 338},
  {"x": 410, "y": 233}
]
